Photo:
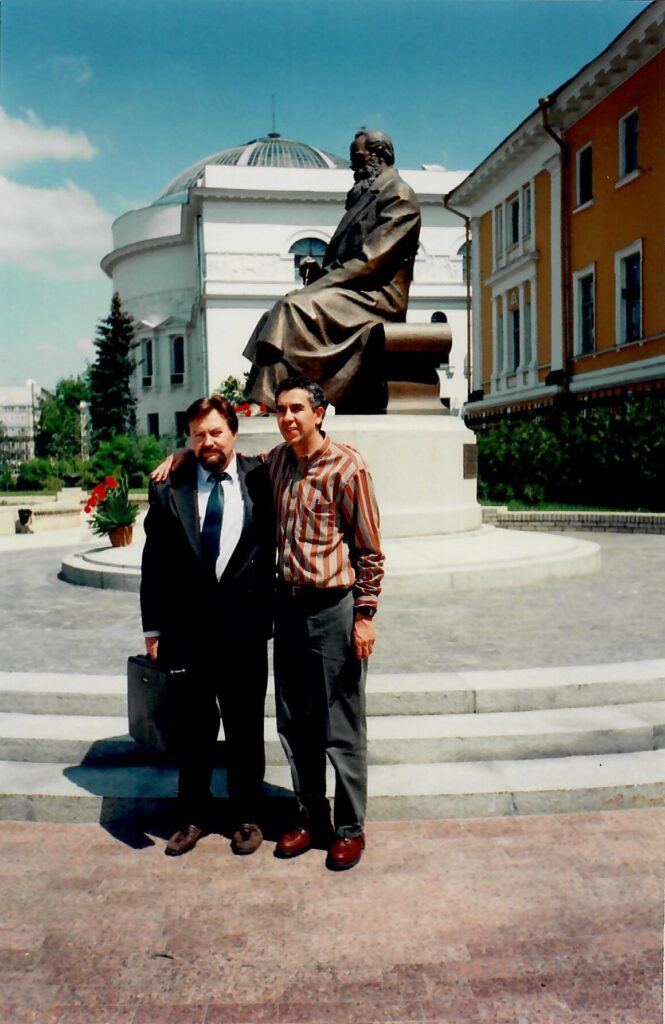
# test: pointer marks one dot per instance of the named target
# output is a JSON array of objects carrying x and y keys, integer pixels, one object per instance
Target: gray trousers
[{"x": 320, "y": 697}]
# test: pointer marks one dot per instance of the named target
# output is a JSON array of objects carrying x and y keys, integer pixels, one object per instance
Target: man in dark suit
[
  {"x": 322, "y": 331},
  {"x": 206, "y": 601}
]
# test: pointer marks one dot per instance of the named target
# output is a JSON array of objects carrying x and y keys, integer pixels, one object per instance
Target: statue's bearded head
[{"x": 371, "y": 153}]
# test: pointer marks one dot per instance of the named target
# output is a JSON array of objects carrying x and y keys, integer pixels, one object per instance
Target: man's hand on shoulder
[
  {"x": 170, "y": 464},
  {"x": 363, "y": 637}
]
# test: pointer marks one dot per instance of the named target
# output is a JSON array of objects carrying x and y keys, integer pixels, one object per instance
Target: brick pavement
[{"x": 552, "y": 920}]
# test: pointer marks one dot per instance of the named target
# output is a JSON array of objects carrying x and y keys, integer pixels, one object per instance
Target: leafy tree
[
  {"x": 134, "y": 456},
  {"x": 112, "y": 402},
  {"x": 59, "y": 426},
  {"x": 235, "y": 390}
]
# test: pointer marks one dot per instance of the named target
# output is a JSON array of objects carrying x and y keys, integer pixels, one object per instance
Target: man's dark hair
[
  {"x": 216, "y": 403},
  {"x": 315, "y": 392},
  {"x": 379, "y": 143}
]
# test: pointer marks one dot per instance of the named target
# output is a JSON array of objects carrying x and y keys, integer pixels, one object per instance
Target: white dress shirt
[{"x": 234, "y": 510}]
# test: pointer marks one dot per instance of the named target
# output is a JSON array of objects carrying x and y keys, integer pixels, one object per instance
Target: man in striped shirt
[{"x": 330, "y": 567}]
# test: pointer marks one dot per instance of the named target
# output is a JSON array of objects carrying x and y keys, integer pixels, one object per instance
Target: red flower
[
  {"x": 263, "y": 407},
  {"x": 87, "y": 508},
  {"x": 99, "y": 492},
  {"x": 111, "y": 481}
]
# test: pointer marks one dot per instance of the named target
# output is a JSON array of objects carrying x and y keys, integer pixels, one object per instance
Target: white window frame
[
  {"x": 619, "y": 309},
  {"x": 624, "y": 175},
  {"x": 527, "y": 205},
  {"x": 578, "y": 276},
  {"x": 499, "y": 237},
  {"x": 581, "y": 204}
]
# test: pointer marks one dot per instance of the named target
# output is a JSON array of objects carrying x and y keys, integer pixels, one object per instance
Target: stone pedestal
[{"x": 423, "y": 467}]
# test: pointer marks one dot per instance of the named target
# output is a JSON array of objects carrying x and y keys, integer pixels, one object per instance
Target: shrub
[
  {"x": 607, "y": 456},
  {"x": 37, "y": 475}
]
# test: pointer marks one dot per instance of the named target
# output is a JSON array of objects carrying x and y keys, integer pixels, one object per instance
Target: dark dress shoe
[
  {"x": 246, "y": 839},
  {"x": 183, "y": 841},
  {"x": 345, "y": 853},
  {"x": 292, "y": 844}
]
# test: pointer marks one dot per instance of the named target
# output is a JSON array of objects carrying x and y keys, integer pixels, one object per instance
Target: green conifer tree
[{"x": 112, "y": 402}]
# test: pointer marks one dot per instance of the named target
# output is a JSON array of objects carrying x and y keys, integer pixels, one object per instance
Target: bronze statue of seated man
[{"x": 324, "y": 330}]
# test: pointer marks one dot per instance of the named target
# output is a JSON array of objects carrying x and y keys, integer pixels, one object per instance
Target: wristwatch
[{"x": 365, "y": 610}]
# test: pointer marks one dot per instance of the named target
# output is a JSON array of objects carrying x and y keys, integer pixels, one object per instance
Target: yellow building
[{"x": 568, "y": 222}]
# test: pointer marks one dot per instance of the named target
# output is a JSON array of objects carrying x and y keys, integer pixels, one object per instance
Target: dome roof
[{"x": 270, "y": 151}]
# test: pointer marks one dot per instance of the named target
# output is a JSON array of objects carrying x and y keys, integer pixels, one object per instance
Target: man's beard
[
  {"x": 213, "y": 462},
  {"x": 363, "y": 178}
]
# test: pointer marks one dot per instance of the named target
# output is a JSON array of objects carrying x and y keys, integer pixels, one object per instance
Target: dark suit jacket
[{"x": 180, "y": 596}]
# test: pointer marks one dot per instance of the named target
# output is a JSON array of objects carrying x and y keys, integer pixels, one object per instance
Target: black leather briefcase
[{"x": 155, "y": 695}]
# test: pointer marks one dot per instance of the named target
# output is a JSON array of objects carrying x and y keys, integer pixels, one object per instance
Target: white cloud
[
  {"x": 59, "y": 232},
  {"x": 73, "y": 69},
  {"x": 85, "y": 346},
  {"x": 27, "y": 140}
]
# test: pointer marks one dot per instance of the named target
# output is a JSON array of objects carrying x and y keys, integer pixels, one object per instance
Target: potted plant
[{"x": 111, "y": 512}]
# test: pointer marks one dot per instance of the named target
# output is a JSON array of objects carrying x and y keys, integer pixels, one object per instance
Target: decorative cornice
[{"x": 640, "y": 41}]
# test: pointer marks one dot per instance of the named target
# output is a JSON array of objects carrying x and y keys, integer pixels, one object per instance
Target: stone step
[
  {"x": 387, "y": 694},
  {"x": 86, "y": 793},
  {"x": 392, "y": 739}
]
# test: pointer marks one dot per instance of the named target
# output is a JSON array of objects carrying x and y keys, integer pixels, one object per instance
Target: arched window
[
  {"x": 466, "y": 256},
  {"x": 307, "y": 247}
]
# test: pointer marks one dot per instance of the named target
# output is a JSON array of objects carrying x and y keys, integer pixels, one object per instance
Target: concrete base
[
  {"x": 417, "y": 464},
  {"x": 482, "y": 559}
]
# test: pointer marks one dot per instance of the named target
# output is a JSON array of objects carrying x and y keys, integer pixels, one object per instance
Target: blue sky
[{"x": 102, "y": 103}]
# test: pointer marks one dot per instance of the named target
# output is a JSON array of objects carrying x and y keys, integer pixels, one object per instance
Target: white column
[{"x": 476, "y": 368}]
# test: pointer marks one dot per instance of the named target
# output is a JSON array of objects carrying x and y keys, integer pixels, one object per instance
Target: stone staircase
[{"x": 463, "y": 744}]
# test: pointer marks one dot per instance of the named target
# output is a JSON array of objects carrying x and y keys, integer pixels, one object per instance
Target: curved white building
[{"x": 222, "y": 242}]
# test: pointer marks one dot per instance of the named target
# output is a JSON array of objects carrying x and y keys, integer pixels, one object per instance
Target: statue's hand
[
  {"x": 309, "y": 270},
  {"x": 171, "y": 462}
]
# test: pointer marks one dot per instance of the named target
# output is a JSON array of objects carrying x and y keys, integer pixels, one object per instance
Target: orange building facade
[{"x": 568, "y": 223}]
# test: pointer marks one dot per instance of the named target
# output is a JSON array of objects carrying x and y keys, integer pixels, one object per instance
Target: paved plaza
[
  {"x": 613, "y": 615},
  {"x": 524, "y": 920}
]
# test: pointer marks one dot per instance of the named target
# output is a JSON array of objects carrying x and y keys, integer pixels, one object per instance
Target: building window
[
  {"x": 177, "y": 359},
  {"x": 526, "y": 207},
  {"x": 180, "y": 427},
  {"x": 153, "y": 424},
  {"x": 307, "y": 247},
  {"x": 499, "y": 337},
  {"x": 628, "y": 283},
  {"x": 628, "y": 140},
  {"x": 498, "y": 231},
  {"x": 514, "y": 339},
  {"x": 527, "y": 332},
  {"x": 466, "y": 259},
  {"x": 584, "y": 312},
  {"x": 146, "y": 351},
  {"x": 584, "y": 175},
  {"x": 513, "y": 224}
]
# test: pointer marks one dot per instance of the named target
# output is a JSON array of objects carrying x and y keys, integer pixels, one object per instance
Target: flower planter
[{"x": 121, "y": 536}]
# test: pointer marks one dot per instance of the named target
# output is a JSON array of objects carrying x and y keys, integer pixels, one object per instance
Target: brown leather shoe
[
  {"x": 183, "y": 841},
  {"x": 345, "y": 853},
  {"x": 246, "y": 839},
  {"x": 292, "y": 844}
]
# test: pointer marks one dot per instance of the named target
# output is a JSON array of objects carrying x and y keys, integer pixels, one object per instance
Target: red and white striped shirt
[{"x": 327, "y": 520}]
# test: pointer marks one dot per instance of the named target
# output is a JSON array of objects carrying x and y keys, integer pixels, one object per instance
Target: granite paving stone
[{"x": 58, "y": 627}]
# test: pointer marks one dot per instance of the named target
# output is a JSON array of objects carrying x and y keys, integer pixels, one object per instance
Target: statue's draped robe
[{"x": 320, "y": 330}]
